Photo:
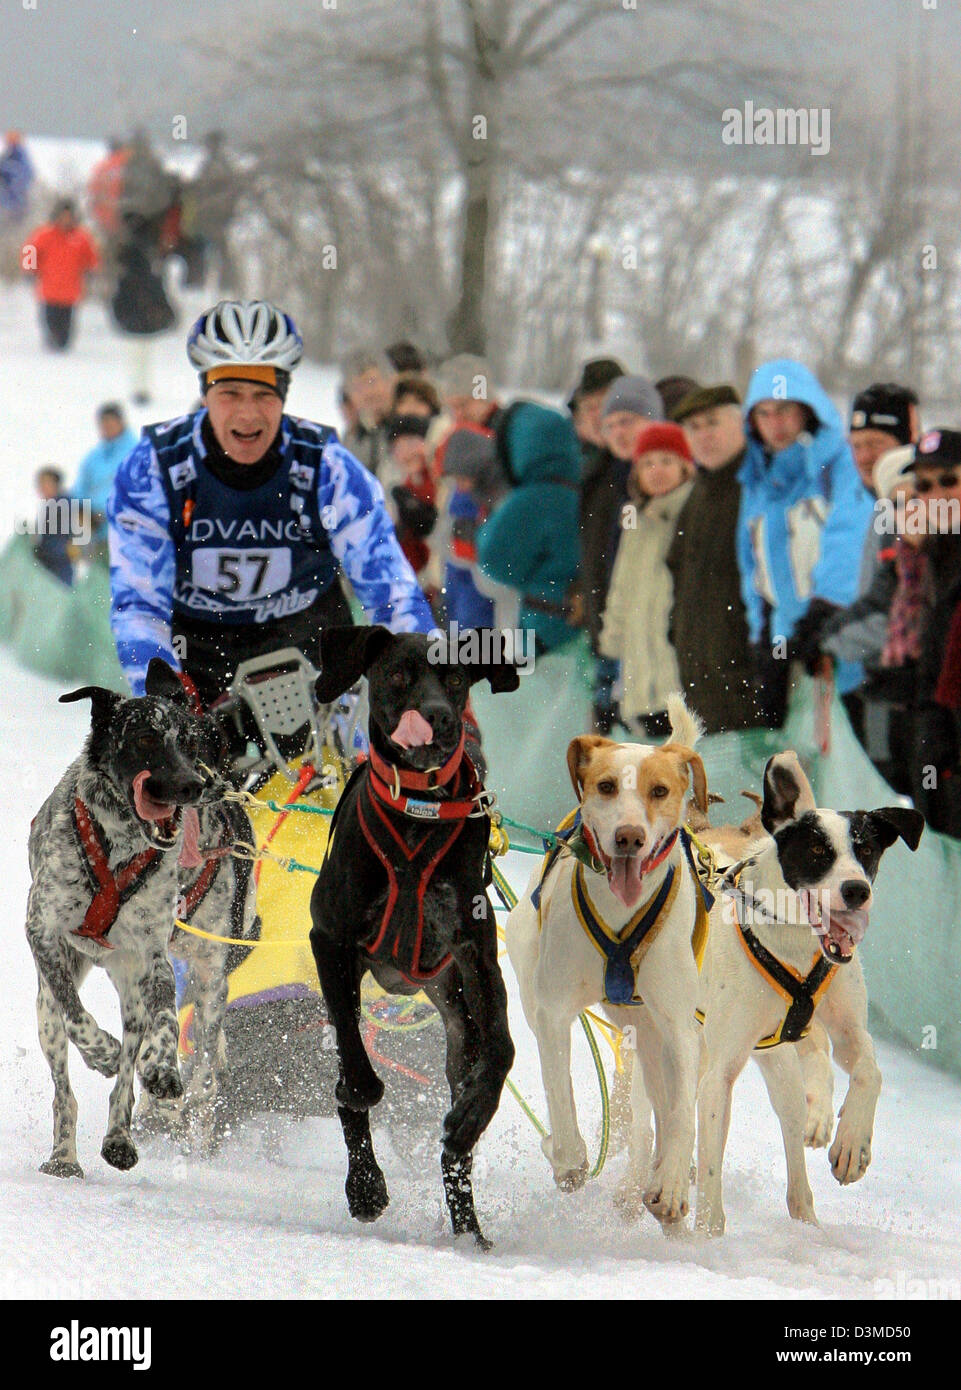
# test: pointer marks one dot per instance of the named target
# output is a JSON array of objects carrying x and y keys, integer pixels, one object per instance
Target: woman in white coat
[{"x": 637, "y": 617}]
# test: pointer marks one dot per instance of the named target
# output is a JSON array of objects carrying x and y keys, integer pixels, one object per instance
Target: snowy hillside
[{"x": 266, "y": 1219}]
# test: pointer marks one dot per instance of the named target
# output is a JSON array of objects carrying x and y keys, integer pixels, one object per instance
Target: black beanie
[{"x": 884, "y": 406}]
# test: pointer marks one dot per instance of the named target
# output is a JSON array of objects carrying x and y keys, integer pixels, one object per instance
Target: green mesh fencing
[{"x": 60, "y": 632}]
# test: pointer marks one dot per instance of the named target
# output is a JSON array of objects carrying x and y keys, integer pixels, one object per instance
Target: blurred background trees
[{"x": 536, "y": 178}]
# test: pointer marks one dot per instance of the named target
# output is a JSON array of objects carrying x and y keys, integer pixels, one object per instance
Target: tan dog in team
[{"x": 632, "y": 802}]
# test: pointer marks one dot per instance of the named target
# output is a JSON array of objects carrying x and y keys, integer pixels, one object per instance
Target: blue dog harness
[
  {"x": 619, "y": 969},
  {"x": 621, "y": 951}
]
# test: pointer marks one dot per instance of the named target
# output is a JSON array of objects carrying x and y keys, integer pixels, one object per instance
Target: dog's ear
[
  {"x": 787, "y": 791},
  {"x": 162, "y": 680},
  {"x": 890, "y": 822},
  {"x": 579, "y": 751},
  {"x": 502, "y": 670},
  {"x": 346, "y": 654},
  {"x": 103, "y": 703},
  {"x": 698, "y": 775}
]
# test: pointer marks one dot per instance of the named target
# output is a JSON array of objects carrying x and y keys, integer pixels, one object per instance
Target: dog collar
[
  {"x": 390, "y": 793},
  {"x": 599, "y": 858},
  {"x": 406, "y": 779}
]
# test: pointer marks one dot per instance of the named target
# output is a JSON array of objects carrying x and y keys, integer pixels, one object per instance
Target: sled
[{"x": 280, "y": 1047}]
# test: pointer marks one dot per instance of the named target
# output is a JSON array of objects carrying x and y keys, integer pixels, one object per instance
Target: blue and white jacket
[
  {"x": 183, "y": 542},
  {"x": 804, "y": 512}
]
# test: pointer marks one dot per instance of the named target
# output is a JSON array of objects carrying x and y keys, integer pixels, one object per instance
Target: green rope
[
  {"x": 605, "y": 1097},
  {"x": 509, "y": 898},
  {"x": 547, "y": 836}
]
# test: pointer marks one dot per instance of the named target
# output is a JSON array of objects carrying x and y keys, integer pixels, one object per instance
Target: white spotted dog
[
  {"x": 609, "y": 921},
  {"x": 104, "y": 851},
  {"x": 782, "y": 972}
]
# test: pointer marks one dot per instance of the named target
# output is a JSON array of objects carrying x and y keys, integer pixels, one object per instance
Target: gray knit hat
[
  {"x": 471, "y": 452},
  {"x": 636, "y": 394},
  {"x": 467, "y": 375}
]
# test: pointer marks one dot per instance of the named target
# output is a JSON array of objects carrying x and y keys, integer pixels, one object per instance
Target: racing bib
[{"x": 240, "y": 576}]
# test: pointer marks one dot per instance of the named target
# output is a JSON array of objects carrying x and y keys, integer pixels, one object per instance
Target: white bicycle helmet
[{"x": 244, "y": 333}]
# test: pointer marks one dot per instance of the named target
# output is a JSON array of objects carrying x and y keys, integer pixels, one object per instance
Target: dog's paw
[
  {"x": 481, "y": 1242},
  {"x": 667, "y": 1199},
  {"x": 360, "y": 1094},
  {"x": 163, "y": 1082},
  {"x": 60, "y": 1168},
  {"x": 849, "y": 1155},
  {"x": 571, "y": 1179},
  {"x": 801, "y": 1208},
  {"x": 118, "y": 1150},
  {"x": 366, "y": 1189}
]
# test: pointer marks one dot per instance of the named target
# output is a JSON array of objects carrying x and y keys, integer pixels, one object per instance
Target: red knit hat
[{"x": 671, "y": 438}]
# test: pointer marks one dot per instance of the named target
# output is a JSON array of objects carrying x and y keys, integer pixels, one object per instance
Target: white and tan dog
[
  {"x": 616, "y": 931},
  {"x": 780, "y": 969}
]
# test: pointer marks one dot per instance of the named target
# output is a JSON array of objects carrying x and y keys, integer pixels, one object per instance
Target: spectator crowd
[{"x": 701, "y": 542}]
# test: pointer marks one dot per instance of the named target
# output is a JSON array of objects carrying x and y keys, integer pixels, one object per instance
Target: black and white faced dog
[
  {"x": 782, "y": 975},
  {"x": 103, "y": 860},
  {"x": 402, "y": 893}
]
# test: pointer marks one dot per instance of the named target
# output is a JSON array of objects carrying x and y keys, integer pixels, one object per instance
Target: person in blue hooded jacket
[
  {"x": 98, "y": 468},
  {"x": 803, "y": 519},
  {"x": 531, "y": 541}
]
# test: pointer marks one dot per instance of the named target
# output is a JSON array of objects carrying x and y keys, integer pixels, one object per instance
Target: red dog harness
[
  {"x": 386, "y": 786},
  {"x": 110, "y": 890}
]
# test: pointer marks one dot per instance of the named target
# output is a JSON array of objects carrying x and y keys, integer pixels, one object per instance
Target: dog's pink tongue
[
  {"x": 848, "y": 928},
  {"x": 147, "y": 808},
  {"x": 625, "y": 879},
  {"x": 190, "y": 856},
  {"x": 413, "y": 730}
]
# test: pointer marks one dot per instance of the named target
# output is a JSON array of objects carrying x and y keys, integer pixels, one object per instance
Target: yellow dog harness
[{"x": 802, "y": 993}]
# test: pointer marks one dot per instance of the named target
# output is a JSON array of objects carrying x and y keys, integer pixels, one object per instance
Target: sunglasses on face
[{"x": 944, "y": 480}]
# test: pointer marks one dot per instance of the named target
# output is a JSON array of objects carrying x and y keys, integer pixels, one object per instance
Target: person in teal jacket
[
  {"x": 531, "y": 541},
  {"x": 803, "y": 519},
  {"x": 99, "y": 467}
]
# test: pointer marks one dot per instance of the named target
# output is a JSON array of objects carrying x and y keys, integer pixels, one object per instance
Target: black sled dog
[{"x": 402, "y": 893}]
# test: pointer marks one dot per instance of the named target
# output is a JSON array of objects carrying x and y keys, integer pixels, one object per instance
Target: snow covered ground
[{"x": 266, "y": 1219}]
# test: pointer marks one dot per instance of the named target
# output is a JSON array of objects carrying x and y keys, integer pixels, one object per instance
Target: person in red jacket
[
  {"x": 105, "y": 189},
  {"x": 60, "y": 254}
]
